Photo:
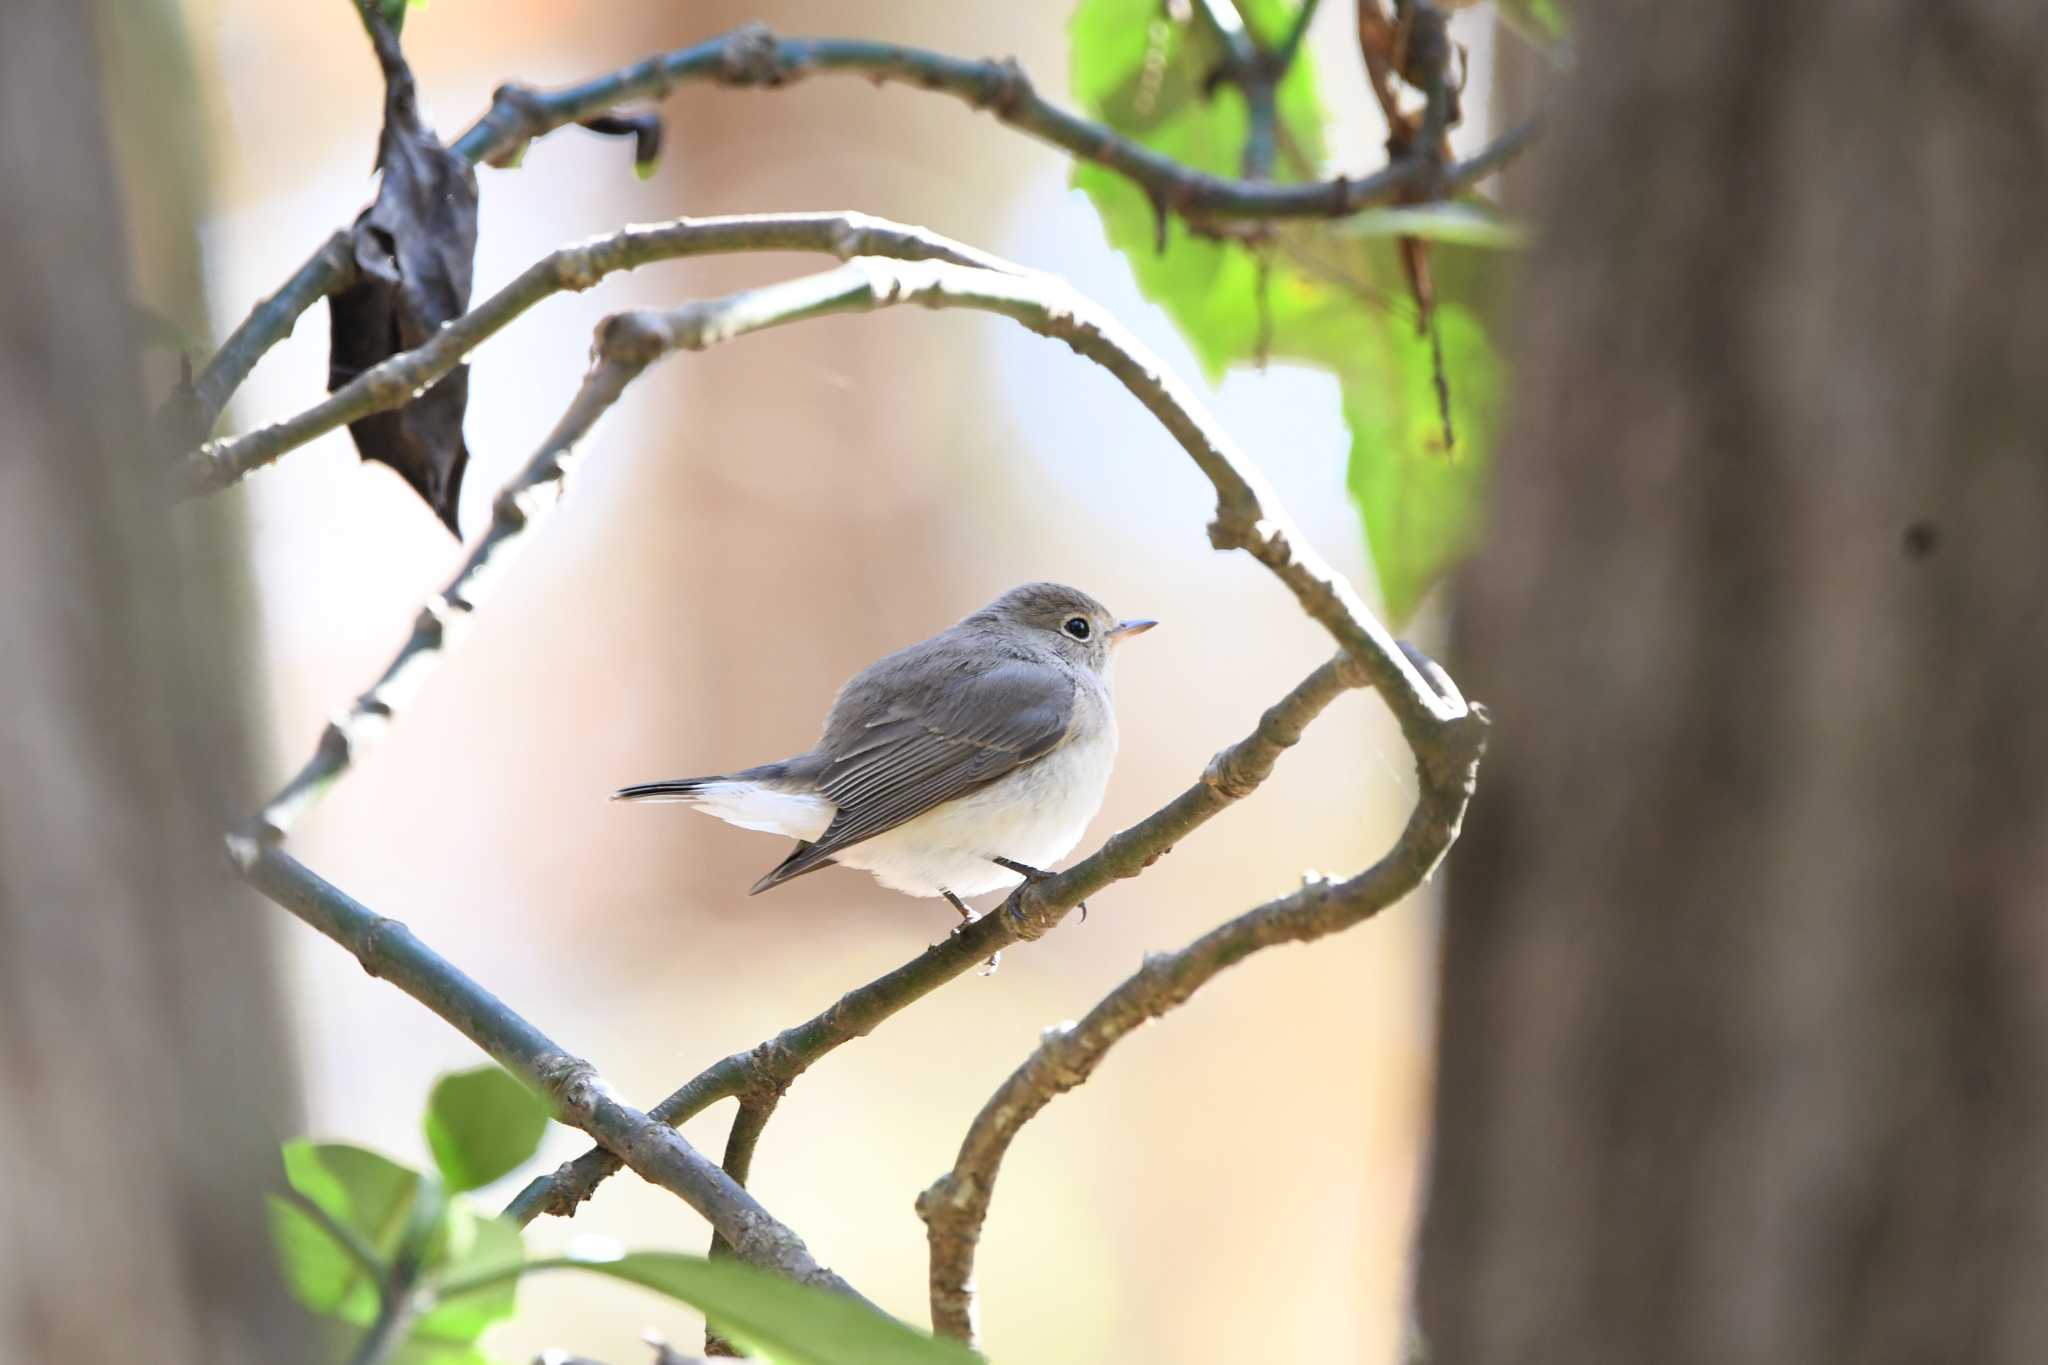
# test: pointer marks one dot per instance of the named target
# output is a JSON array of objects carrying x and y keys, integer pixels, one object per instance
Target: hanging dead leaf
[{"x": 414, "y": 247}]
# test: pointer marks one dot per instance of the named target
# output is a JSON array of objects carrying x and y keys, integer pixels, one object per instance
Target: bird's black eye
[{"x": 1077, "y": 626}]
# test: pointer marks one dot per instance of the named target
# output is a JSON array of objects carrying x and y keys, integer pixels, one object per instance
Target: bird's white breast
[{"x": 1033, "y": 816}]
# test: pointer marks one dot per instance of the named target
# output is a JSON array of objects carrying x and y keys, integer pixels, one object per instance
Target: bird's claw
[{"x": 1036, "y": 874}]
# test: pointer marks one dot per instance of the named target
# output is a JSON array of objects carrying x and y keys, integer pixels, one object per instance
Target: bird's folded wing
[{"x": 923, "y": 751}]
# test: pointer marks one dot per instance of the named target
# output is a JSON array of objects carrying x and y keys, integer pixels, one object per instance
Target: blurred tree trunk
[
  {"x": 140, "y": 1081},
  {"x": 1745, "y": 990}
]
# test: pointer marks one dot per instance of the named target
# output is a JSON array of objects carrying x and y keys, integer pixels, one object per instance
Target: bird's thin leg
[
  {"x": 967, "y": 918},
  {"x": 1034, "y": 874}
]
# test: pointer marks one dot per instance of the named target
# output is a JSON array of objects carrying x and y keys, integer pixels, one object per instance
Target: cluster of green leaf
[
  {"x": 370, "y": 1245},
  {"x": 1330, "y": 295}
]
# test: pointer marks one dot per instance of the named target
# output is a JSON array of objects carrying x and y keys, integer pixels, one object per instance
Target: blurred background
[
  {"x": 1740, "y": 1047},
  {"x": 752, "y": 525}
]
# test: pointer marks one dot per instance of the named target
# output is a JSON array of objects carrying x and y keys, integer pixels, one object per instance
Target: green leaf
[
  {"x": 472, "y": 1246},
  {"x": 1143, "y": 73},
  {"x": 482, "y": 1124},
  {"x": 778, "y": 1320},
  {"x": 370, "y": 1197},
  {"x": 781, "y": 1321},
  {"x": 1330, "y": 295},
  {"x": 1420, "y": 499},
  {"x": 317, "y": 1269}
]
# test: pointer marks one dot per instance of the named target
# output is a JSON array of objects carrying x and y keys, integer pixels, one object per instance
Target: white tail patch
[{"x": 750, "y": 805}]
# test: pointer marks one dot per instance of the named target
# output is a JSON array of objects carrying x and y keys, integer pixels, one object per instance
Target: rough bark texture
[
  {"x": 139, "y": 1072},
  {"x": 1745, "y": 1011}
]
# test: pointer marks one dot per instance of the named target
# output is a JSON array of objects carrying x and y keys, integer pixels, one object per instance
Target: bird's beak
[{"x": 1123, "y": 630}]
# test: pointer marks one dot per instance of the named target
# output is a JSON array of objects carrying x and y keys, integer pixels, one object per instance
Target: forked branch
[
  {"x": 754, "y": 58},
  {"x": 955, "y": 1207},
  {"x": 1230, "y": 776},
  {"x": 578, "y": 1094}
]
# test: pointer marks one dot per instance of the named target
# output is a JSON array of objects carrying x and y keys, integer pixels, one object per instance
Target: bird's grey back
[{"x": 931, "y": 723}]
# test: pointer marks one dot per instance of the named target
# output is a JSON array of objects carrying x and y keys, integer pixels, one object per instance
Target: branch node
[
  {"x": 577, "y": 268},
  {"x": 1004, "y": 88},
  {"x": 1221, "y": 776},
  {"x": 752, "y": 56},
  {"x": 634, "y": 339},
  {"x": 521, "y": 113},
  {"x": 369, "y": 945},
  {"x": 571, "y": 1085}
]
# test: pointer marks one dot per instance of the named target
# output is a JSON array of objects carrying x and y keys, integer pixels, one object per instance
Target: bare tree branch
[
  {"x": 576, "y": 267},
  {"x": 755, "y": 58},
  {"x": 1230, "y": 776},
  {"x": 572, "y": 1086},
  {"x": 1297, "y": 31},
  {"x": 956, "y": 1205},
  {"x": 748, "y": 1124},
  {"x": 327, "y": 271},
  {"x": 1248, "y": 515},
  {"x": 1247, "y": 67}
]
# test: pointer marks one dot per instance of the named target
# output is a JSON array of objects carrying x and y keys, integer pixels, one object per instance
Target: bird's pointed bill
[{"x": 1124, "y": 630}]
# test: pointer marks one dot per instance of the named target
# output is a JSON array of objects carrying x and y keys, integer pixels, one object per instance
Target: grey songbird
[{"x": 960, "y": 765}]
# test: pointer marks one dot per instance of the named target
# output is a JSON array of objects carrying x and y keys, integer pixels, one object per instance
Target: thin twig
[
  {"x": 527, "y": 500},
  {"x": 1297, "y": 32},
  {"x": 955, "y": 1207},
  {"x": 576, "y": 267},
  {"x": 393, "y": 1323},
  {"x": 1230, "y": 776},
  {"x": 328, "y": 270},
  {"x": 578, "y": 1096},
  {"x": 748, "y": 1124},
  {"x": 753, "y": 57},
  {"x": 1246, "y": 67}
]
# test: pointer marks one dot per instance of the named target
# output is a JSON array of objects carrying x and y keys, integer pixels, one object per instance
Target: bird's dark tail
[{"x": 675, "y": 789}]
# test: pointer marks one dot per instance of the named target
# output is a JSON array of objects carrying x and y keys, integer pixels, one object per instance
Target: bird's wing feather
[{"x": 927, "y": 747}]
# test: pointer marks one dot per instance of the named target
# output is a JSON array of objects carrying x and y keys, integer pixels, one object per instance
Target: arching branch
[
  {"x": 955, "y": 1207},
  {"x": 1230, "y": 776}
]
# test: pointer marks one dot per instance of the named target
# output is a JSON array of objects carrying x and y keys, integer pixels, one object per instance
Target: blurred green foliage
[
  {"x": 357, "y": 1233},
  {"x": 1333, "y": 295}
]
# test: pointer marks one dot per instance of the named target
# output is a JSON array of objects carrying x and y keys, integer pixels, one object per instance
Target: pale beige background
[{"x": 753, "y": 524}]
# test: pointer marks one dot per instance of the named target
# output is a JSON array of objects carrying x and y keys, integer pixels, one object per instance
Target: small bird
[{"x": 961, "y": 765}]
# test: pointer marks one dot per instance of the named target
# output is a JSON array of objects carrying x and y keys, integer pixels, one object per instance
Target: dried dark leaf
[{"x": 414, "y": 249}]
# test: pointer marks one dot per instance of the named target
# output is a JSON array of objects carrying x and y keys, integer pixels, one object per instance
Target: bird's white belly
[{"x": 1034, "y": 816}]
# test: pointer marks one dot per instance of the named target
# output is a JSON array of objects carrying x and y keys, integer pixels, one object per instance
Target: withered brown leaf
[{"x": 414, "y": 247}]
